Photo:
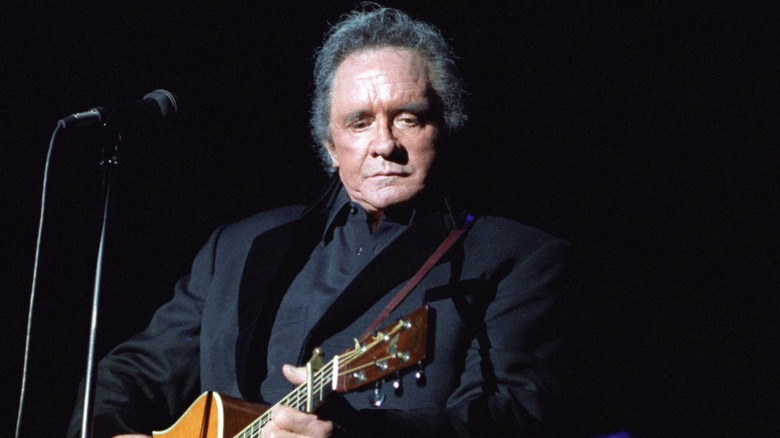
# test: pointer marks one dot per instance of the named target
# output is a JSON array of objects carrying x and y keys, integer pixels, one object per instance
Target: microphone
[{"x": 155, "y": 106}]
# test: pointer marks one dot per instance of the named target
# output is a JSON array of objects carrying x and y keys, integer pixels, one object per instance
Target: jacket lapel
[{"x": 273, "y": 261}]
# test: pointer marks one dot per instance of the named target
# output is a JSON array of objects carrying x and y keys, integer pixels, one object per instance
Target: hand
[{"x": 289, "y": 422}]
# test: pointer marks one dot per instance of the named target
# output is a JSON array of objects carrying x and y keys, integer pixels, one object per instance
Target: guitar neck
[
  {"x": 374, "y": 356},
  {"x": 306, "y": 397}
]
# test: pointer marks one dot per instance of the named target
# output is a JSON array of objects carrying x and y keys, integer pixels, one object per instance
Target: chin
[
  {"x": 396, "y": 199},
  {"x": 387, "y": 196}
]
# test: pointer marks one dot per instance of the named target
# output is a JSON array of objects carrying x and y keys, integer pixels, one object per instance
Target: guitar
[{"x": 391, "y": 349}]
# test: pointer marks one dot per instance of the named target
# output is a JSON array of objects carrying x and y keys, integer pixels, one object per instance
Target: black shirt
[{"x": 347, "y": 246}]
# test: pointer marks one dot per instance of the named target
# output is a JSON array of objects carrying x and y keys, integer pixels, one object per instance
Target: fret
[
  {"x": 297, "y": 398},
  {"x": 399, "y": 346}
]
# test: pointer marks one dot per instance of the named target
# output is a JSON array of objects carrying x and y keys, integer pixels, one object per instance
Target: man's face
[{"x": 382, "y": 127}]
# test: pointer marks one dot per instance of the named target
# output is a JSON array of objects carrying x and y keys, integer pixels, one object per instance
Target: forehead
[{"x": 377, "y": 67}]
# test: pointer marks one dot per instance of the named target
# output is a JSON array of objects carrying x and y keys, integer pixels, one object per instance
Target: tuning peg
[
  {"x": 419, "y": 375},
  {"x": 377, "y": 396},
  {"x": 398, "y": 387}
]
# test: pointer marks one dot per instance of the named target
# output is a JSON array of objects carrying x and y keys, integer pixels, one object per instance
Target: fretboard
[
  {"x": 306, "y": 397},
  {"x": 373, "y": 358}
]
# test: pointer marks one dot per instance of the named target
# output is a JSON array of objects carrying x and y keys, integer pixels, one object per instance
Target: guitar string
[
  {"x": 297, "y": 395},
  {"x": 323, "y": 377}
]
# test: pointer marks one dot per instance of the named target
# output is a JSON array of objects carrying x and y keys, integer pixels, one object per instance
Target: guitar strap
[{"x": 445, "y": 245}]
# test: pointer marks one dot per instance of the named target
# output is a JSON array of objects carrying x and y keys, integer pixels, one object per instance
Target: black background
[{"x": 644, "y": 134}]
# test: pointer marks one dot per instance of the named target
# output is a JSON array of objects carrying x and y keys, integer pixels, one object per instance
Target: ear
[{"x": 331, "y": 148}]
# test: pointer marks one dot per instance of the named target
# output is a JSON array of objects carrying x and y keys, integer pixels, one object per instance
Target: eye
[
  {"x": 360, "y": 124},
  {"x": 407, "y": 120}
]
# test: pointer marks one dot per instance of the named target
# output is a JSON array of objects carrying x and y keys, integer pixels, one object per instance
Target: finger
[
  {"x": 300, "y": 423},
  {"x": 296, "y": 375}
]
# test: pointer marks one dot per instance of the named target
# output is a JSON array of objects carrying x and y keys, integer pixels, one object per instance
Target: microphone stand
[{"x": 109, "y": 160}]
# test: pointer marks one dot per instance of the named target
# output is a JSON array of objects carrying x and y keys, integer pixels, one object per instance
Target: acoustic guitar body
[
  {"x": 374, "y": 357},
  {"x": 213, "y": 416}
]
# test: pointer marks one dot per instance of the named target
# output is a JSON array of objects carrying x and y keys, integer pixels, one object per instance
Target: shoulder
[
  {"x": 242, "y": 233},
  {"x": 266, "y": 220},
  {"x": 488, "y": 224},
  {"x": 495, "y": 242},
  {"x": 502, "y": 232}
]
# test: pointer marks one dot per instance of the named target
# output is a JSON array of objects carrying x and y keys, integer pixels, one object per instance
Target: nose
[{"x": 384, "y": 144}]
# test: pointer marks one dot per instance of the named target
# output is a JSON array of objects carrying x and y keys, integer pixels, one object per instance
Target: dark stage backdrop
[{"x": 645, "y": 134}]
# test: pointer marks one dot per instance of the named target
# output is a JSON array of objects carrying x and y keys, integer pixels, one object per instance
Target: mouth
[{"x": 388, "y": 175}]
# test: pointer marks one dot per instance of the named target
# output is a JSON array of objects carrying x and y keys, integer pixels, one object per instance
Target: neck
[{"x": 373, "y": 219}]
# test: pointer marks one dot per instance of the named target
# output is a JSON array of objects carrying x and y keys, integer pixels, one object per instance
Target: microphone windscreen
[{"x": 165, "y": 100}]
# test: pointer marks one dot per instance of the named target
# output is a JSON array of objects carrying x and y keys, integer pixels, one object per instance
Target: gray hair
[{"x": 384, "y": 27}]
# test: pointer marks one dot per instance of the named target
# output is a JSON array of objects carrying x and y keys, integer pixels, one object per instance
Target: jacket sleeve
[
  {"x": 510, "y": 385},
  {"x": 143, "y": 383}
]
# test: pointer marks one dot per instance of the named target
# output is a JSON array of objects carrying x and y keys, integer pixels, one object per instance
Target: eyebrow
[
  {"x": 415, "y": 107},
  {"x": 354, "y": 115}
]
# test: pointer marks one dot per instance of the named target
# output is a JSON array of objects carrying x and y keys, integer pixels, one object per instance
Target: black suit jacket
[{"x": 495, "y": 328}]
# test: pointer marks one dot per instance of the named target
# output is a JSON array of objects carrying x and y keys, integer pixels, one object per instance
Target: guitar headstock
[{"x": 392, "y": 348}]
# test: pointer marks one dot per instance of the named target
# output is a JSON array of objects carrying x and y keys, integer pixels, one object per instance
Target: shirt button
[
  {"x": 360, "y": 250},
  {"x": 353, "y": 210},
  {"x": 377, "y": 248}
]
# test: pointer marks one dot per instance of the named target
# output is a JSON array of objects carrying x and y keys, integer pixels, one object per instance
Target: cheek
[
  {"x": 348, "y": 150},
  {"x": 348, "y": 160},
  {"x": 425, "y": 152}
]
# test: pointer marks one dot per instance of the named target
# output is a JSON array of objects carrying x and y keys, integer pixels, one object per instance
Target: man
[{"x": 265, "y": 291}]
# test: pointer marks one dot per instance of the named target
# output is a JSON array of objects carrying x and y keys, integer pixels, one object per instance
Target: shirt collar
[
  {"x": 405, "y": 214},
  {"x": 342, "y": 206}
]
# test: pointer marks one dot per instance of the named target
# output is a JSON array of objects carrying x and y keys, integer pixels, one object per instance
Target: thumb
[{"x": 296, "y": 375}]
